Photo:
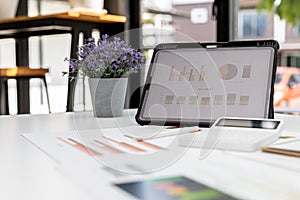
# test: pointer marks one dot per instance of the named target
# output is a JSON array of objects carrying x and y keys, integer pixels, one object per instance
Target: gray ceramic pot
[{"x": 108, "y": 96}]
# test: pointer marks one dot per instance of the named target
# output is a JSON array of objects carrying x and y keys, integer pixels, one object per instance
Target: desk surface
[
  {"x": 28, "y": 173},
  {"x": 25, "y": 26}
]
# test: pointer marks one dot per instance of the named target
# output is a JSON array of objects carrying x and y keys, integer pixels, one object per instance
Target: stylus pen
[{"x": 169, "y": 132}]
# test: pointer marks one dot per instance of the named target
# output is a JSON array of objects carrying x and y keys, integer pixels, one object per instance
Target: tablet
[
  {"x": 196, "y": 83},
  {"x": 171, "y": 188}
]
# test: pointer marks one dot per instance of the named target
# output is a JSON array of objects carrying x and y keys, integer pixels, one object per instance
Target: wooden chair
[{"x": 20, "y": 73}]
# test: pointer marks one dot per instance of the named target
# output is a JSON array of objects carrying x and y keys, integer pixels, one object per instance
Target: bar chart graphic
[
  {"x": 247, "y": 71},
  {"x": 79, "y": 146},
  {"x": 202, "y": 73},
  {"x": 188, "y": 73},
  {"x": 182, "y": 74},
  {"x": 191, "y": 76},
  {"x": 214, "y": 100},
  {"x": 172, "y": 74}
]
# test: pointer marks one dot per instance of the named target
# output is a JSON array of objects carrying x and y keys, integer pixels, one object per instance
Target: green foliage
[
  {"x": 266, "y": 4},
  {"x": 287, "y": 9}
]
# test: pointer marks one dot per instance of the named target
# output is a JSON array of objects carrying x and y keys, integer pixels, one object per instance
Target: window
[
  {"x": 252, "y": 24},
  {"x": 296, "y": 30}
]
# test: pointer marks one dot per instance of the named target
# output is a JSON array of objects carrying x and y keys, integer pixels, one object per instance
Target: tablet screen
[
  {"x": 172, "y": 188},
  {"x": 198, "y": 84}
]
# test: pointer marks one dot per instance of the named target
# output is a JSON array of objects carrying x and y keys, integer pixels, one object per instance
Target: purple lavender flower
[{"x": 106, "y": 58}]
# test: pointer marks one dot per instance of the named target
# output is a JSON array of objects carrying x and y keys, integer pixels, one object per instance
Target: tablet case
[{"x": 155, "y": 107}]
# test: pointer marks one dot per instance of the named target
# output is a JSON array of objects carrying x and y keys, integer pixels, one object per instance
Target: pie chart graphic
[{"x": 228, "y": 71}]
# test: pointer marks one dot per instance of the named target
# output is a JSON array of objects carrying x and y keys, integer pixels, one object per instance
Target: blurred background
[{"x": 195, "y": 19}]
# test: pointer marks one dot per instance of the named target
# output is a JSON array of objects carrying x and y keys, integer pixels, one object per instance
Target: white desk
[{"x": 28, "y": 173}]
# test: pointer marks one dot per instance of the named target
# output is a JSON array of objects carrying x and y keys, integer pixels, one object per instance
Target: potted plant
[{"x": 107, "y": 63}]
